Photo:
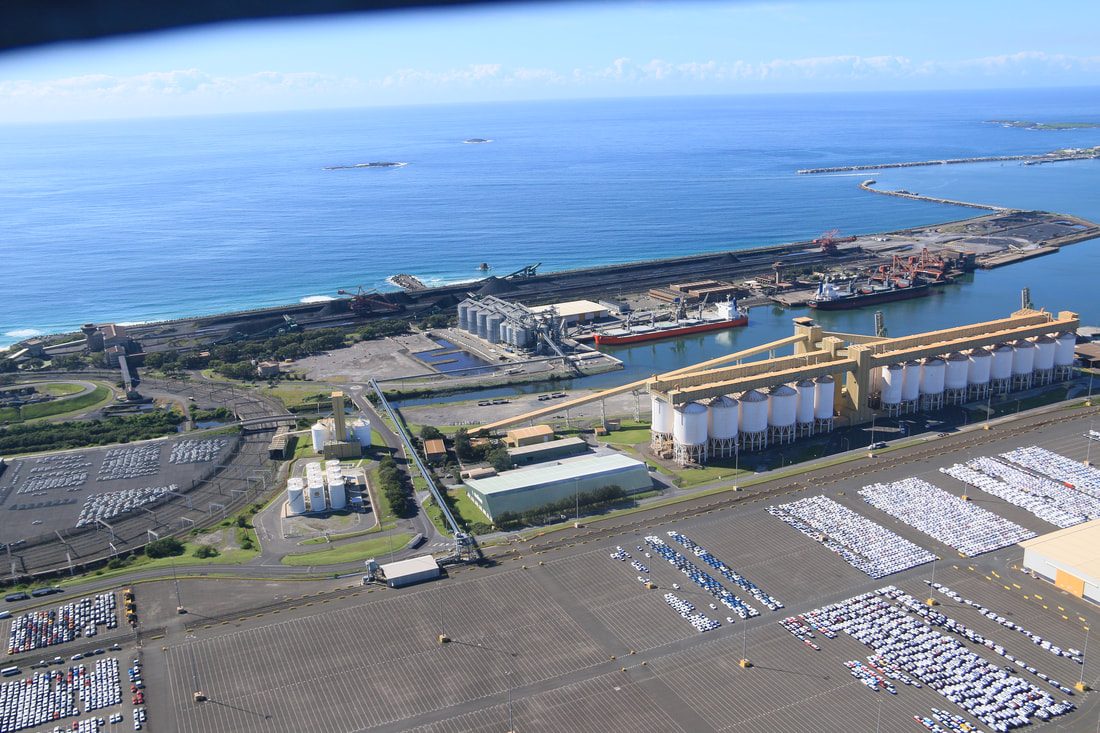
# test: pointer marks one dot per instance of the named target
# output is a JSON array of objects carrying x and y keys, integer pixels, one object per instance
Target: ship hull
[
  {"x": 611, "y": 340},
  {"x": 858, "y": 300}
]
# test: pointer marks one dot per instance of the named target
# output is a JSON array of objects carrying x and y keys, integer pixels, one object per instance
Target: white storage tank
[
  {"x": 295, "y": 495},
  {"x": 910, "y": 385},
  {"x": 933, "y": 376},
  {"x": 320, "y": 434},
  {"x": 1045, "y": 347},
  {"x": 1001, "y": 368},
  {"x": 1023, "y": 358},
  {"x": 317, "y": 497},
  {"x": 823, "y": 398},
  {"x": 955, "y": 375},
  {"x": 981, "y": 365},
  {"x": 661, "y": 416},
  {"x": 722, "y": 415},
  {"x": 1063, "y": 351},
  {"x": 782, "y": 412},
  {"x": 804, "y": 406},
  {"x": 338, "y": 498},
  {"x": 754, "y": 412},
  {"x": 689, "y": 424},
  {"x": 360, "y": 431},
  {"x": 893, "y": 377}
]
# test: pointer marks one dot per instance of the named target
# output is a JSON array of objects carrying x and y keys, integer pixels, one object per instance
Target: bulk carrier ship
[
  {"x": 831, "y": 298},
  {"x": 723, "y": 315}
]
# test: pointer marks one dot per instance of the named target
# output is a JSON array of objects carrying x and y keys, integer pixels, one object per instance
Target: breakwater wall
[
  {"x": 1027, "y": 159},
  {"x": 866, "y": 186}
]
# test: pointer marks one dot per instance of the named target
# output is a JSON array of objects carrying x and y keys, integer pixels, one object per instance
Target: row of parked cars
[
  {"x": 51, "y": 696},
  {"x": 69, "y": 621}
]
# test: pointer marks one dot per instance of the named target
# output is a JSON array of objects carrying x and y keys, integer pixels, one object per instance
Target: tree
[
  {"x": 164, "y": 547},
  {"x": 430, "y": 432},
  {"x": 499, "y": 459},
  {"x": 463, "y": 448},
  {"x": 206, "y": 551}
]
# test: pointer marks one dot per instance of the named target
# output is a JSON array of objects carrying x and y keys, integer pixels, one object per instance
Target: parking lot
[{"x": 570, "y": 635}]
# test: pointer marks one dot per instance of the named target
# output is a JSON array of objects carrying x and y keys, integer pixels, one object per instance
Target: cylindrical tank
[
  {"x": 1063, "y": 350},
  {"x": 958, "y": 365},
  {"x": 1001, "y": 368},
  {"x": 337, "y": 496},
  {"x": 471, "y": 318},
  {"x": 754, "y": 412},
  {"x": 360, "y": 431},
  {"x": 910, "y": 385},
  {"x": 823, "y": 397},
  {"x": 463, "y": 314},
  {"x": 933, "y": 373},
  {"x": 523, "y": 337},
  {"x": 782, "y": 406},
  {"x": 804, "y": 407},
  {"x": 1045, "y": 347},
  {"x": 689, "y": 424},
  {"x": 296, "y": 498},
  {"x": 483, "y": 324},
  {"x": 661, "y": 416},
  {"x": 492, "y": 328},
  {"x": 317, "y": 498},
  {"x": 722, "y": 414},
  {"x": 981, "y": 365},
  {"x": 893, "y": 378},
  {"x": 1023, "y": 357},
  {"x": 319, "y": 433}
]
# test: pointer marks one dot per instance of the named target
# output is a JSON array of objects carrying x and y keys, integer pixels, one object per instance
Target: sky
[{"x": 557, "y": 50}]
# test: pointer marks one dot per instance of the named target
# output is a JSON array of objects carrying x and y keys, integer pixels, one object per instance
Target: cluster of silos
[
  {"x": 498, "y": 321},
  {"x": 957, "y": 377},
  {"x": 334, "y": 478},
  {"x": 697, "y": 432},
  {"x": 360, "y": 431},
  {"x": 315, "y": 487}
]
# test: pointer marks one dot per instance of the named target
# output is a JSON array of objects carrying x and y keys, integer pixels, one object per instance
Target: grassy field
[
  {"x": 60, "y": 389},
  {"x": 99, "y": 395},
  {"x": 350, "y": 552}
]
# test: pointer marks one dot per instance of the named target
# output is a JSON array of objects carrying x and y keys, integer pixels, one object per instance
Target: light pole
[
  {"x": 988, "y": 408},
  {"x": 179, "y": 603},
  {"x": 873, "y": 416},
  {"x": 745, "y": 647},
  {"x": 1088, "y": 446},
  {"x": 932, "y": 584},
  {"x": 737, "y": 460},
  {"x": 1081, "y": 684}
]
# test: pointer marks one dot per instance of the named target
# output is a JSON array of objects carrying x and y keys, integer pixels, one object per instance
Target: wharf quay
[
  {"x": 996, "y": 238},
  {"x": 867, "y": 186},
  {"x": 1052, "y": 157}
]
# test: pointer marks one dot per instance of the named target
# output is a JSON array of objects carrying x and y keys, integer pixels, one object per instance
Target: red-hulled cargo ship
[
  {"x": 724, "y": 315},
  {"x": 830, "y": 298}
]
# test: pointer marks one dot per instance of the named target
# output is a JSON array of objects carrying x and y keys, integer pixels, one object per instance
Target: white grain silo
[
  {"x": 1064, "y": 354},
  {"x": 319, "y": 434},
  {"x": 1000, "y": 371},
  {"x": 823, "y": 403},
  {"x": 910, "y": 385},
  {"x": 804, "y": 407},
  {"x": 782, "y": 413},
  {"x": 752, "y": 423},
  {"x": 722, "y": 415},
  {"x": 360, "y": 431},
  {"x": 295, "y": 496},
  {"x": 893, "y": 377},
  {"x": 660, "y": 428},
  {"x": 933, "y": 375},
  {"x": 464, "y": 315},
  {"x": 1023, "y": 364},
  {"x": 689, "y": 433},
  {"x": 1045, "y": 347},
  {"x": 977, "y": 376},
  {"x": 954, "y": 381}
]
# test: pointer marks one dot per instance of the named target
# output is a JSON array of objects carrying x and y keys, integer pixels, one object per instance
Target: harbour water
[{"x": 145, "y": 220}]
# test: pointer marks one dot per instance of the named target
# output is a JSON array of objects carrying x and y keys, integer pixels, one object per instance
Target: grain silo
[
  {"x": 824, "y": 388},
  {"x": 1000, "y": 371},
  {"x": 910, "y": 385},
  {"x": 977, "y": 376},
  {"x": 722, "y": 414},
  {"x": 295, "y": 496},
  {"x": 752, "y": 423},
  {"x": 933, "y": 374},
  {"x": 319, "y": 434},
  {"x": 1023, "y": 364},
  {"x": 660, "y": 428},
  {"x": 804, "y": 408},
  {"x": 689, "y": 433},
  {"x": 1064, "y": 354},
  {"x": 1045, "y": 347},
  {"x": 893, "y": 377},
  {"x": 954, "y": 381},
  {"x": 782, "y": 413}
]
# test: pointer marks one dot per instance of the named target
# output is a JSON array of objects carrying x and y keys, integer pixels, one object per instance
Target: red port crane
[
  {"x": 363, "y": 304},
  {"x": 830, "y": 239}
]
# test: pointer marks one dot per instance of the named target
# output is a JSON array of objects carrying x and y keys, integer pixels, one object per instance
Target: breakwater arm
[
  {"x": 866, "y": 186},
  {"x": 1027, "y": 159}
]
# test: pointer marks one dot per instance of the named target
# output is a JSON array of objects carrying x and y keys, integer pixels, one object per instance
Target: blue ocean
[{"x": 142, "y": 220}]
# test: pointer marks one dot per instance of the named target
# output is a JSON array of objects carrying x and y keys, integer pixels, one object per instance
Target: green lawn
[
  {"x": 350, "y": 552},
  {"x": 60, "y": 389},
  {"x": 99, "y": 395}
]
